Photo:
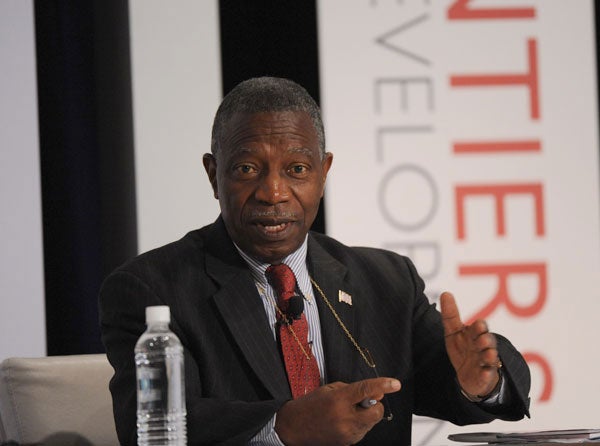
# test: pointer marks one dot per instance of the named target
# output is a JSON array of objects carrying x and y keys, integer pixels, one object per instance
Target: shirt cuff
[
  {"x": 267, "y": 435},
  {"x": 497, "y": 397}
]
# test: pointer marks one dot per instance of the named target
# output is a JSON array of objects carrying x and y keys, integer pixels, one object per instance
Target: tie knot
[{"x": 283, "y": 281}]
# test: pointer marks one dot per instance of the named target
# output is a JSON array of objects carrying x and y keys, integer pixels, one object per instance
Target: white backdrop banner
[
  {"x": 465, "y": 136},
  {"x": 176, "y": 82},
  {"x": 22, "y": 303}
]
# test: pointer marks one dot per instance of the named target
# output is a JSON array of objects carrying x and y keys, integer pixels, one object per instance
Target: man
[{"x": 365, "y": 308}]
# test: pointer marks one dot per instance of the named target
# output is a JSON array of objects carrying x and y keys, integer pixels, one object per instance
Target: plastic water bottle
[{"x": 161, "y": 414}]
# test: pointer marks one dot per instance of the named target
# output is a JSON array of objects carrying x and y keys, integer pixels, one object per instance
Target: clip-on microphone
[{"x": 295, "y": 308}]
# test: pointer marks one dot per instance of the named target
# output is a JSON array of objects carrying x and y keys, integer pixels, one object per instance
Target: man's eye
[
  {"x": 299, "y": 169},
  {"x": 244, "y": 169}
]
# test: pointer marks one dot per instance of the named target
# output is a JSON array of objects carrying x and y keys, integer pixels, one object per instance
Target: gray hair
[{"x": 266, "y": 94}]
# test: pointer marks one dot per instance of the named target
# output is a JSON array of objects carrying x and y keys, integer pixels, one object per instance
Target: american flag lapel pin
[{"x": 344, "y": 297}]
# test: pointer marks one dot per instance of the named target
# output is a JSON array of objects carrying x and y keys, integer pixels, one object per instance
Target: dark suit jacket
[{"x": 235, "y": 378}]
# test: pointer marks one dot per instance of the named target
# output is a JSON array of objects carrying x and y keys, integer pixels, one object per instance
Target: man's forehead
[
  {"x": 301, "y": 150},
  {"x": 294, "y": 129},
  {"x": 277, "y": 118}
]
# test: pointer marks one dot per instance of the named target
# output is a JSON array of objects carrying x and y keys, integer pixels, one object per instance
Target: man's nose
[{"x": 273, "y": 189}]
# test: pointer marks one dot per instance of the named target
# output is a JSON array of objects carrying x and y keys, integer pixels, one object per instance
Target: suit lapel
[
  {"x": 330, "y": 275},
  {"x": 242, "y": 309}
]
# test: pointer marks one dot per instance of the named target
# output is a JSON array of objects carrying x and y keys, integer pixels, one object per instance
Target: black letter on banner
[{"x": 419, "y": 221}]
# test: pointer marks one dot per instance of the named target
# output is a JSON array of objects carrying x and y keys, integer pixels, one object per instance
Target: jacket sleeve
[
  {"x": 437, "y": 391},
  {"x": 122, "y": 302}
]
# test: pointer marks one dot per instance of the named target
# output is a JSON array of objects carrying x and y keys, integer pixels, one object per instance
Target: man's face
[{"x": 269, "y": 178}]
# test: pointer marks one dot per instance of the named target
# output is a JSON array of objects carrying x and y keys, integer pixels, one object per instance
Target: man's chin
[{"x": 272, "y": 252}]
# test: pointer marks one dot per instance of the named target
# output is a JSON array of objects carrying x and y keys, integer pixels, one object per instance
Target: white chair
[{"x": 57, "y": 400}]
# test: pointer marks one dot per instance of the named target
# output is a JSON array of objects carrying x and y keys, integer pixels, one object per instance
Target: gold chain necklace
[
  {"x": 285, "y": 321},
  {"x": 368, "y": 361},
  {"x": 387, "y": 413},
  {"x": 364, "y": 353}
]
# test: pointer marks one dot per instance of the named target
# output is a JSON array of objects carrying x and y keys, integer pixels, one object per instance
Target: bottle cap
[{"x": 158, "y": 313}]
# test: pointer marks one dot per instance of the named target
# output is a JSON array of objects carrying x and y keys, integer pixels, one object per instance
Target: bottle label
[{"x": 149, "y": 384}]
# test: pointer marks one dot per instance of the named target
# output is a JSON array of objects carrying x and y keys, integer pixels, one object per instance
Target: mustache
[{"x": 272, "y": 214}]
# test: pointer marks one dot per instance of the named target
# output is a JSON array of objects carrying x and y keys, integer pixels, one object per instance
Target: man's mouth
[
  {"x": 273, "y": 225},
  {"x": 273, "y": 229}
]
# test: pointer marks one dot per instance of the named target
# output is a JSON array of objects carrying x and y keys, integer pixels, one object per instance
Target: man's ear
[
  {"x": 326, "y": 165},
  {"x": 210, "y": 165},
  {"x": 327, "y": 160}
]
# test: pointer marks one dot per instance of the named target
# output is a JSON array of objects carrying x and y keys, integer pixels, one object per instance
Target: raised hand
[
  {"x": 332, "y": 415},
  {"x": 471, "y": 349}
]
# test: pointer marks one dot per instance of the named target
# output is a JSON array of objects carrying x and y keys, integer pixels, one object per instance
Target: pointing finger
[
  {"x": 373, "y": 389},
  {"x": 450, "y": 315}
]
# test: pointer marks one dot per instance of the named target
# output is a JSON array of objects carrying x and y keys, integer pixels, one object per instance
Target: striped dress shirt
[{"x": 297, "y": 263}]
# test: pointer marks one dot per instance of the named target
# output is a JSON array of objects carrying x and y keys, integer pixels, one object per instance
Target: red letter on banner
[
  {"x": 497, "y": 146},
  {"x": 503, "y": 272},
  {"x": 529, "y": 79},
  {"x": 460, "y": 10},
  {"x": 499, "y": 192},
  {"x": 538, "y": 359}
]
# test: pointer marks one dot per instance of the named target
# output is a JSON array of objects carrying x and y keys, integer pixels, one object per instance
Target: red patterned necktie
[{"x": 300, "y": 364}]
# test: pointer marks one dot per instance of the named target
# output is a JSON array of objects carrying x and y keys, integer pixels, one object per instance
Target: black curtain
[{"x": 86, "y": 155}]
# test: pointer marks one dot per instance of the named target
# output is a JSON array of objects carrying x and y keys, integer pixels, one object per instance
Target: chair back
[{"x": 57, "y": 400}]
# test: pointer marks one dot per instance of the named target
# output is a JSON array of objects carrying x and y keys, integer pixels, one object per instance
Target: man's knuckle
[{"x": 364, "y": 388}]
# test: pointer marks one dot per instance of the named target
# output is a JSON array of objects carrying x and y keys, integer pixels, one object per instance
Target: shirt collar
[{"x": 296, "y": 261}]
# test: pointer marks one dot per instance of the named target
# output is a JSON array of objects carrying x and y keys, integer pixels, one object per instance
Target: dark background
[{"x": 86, "y": 136}]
